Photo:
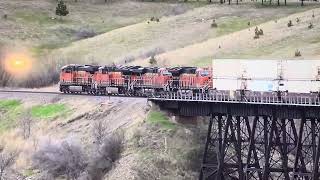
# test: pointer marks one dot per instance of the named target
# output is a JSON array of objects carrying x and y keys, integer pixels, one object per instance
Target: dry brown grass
[
  {"x": 278, "y": 41},
  {"x": 171, "y": 32},
  {"x": 34, "y": 24}
]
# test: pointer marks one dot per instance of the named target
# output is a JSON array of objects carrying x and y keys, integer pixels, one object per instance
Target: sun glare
[{"x": 18, "y": 64}]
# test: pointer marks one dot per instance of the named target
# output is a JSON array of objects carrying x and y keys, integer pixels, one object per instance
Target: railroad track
[{"x": 66, "y": 94}]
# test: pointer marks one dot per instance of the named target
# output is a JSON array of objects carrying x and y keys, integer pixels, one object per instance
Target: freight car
[{"x": 133, "y": 80}]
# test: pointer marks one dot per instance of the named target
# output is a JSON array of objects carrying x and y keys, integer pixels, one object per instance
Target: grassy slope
[
  {"x": 159, "y": 118},
  {"x": 160, "y": 152},
  {"x": 31, "y": 23},
  {"x": 48, "y": 111},
  {"x": 278, "y": 41},
  {"x": 10, "y": 111},
  {"x": 171, "y": 32}
]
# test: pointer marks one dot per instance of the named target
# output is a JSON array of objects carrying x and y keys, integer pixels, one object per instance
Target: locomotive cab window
[
  {"x": 66, "y": 70},
  {"x": 204, "y": 73},
  {"x": 166, "y": 73}
]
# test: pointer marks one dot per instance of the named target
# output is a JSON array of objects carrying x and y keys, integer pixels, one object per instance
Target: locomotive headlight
[{"x": 18, "y": 64}]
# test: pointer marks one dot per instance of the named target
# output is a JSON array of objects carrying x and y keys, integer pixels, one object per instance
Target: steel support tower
[
  {"x": 264, "y": 137},
  {"x": 261, "y": 147}
]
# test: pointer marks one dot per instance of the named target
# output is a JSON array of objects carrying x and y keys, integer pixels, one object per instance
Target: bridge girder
[{"x": 261, "y": 147}]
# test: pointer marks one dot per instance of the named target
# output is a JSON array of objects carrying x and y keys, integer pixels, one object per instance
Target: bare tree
[
  {"x": 99, "y": 132},
  {"x": 106, "y": 154},
  {"x": 7, "y": 159},
  {"x": 4, "y": 76},
  {"x": 25, "y": 124},
  {"x": 61, "y": 159}
]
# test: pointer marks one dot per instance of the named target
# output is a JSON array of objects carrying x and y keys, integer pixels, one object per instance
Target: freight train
[{"x": 133, "y": 80}]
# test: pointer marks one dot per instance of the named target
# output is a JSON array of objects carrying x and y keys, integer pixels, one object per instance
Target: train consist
[{"x": 133, "y": 80}]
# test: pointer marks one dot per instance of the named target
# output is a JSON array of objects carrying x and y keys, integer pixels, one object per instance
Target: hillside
[
  {"x": 152, "y": 141},
  {"x": 191, "y": 28},
  {"x": 34, "y": 25},
  {"x": 147, "y": 143},
  {"x": 279, "y": 41}
]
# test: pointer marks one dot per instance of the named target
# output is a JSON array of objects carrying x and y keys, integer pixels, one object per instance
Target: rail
[{"x": 269, "y": 99}]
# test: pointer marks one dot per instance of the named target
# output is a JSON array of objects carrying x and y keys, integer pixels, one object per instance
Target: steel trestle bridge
[{"x": 254, "y": 135}]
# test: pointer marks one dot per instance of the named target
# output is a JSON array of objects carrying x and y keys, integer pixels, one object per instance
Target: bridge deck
[{"x": 259, "y": 98}]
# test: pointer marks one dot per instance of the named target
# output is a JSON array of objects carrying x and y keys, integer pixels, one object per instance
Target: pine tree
[
  {"x": 152, "y": 61},
  {"x": 61, "y": 9}
]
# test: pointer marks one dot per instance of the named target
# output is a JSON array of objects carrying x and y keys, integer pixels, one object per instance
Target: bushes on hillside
[
  {"x": 4, "y": 76},
  {"x": 7, "y": 159},
  {"x": 152, "y": 61},
  {"x": 63, "y": 158},
  {"x": 310, "y": 26},
  {"x": 297, "y": 53},
  {"x": 257, "y": 33},
  {"x": 84, "y": 33},
  {"x": 105, "y": 155},
  {"x": 68, "y": 159},
  {"x": 214, "y": 24},
  {"x": 290, "y": 23}
]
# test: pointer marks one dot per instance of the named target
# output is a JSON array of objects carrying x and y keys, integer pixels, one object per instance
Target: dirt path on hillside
[{"x": 274, "y": 31}]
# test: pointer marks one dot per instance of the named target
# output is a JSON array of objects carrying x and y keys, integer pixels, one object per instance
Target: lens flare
[{"x": 18, "y": 64}]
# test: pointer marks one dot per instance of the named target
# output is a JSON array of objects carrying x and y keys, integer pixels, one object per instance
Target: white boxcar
[{"x": 301, "y": 76}]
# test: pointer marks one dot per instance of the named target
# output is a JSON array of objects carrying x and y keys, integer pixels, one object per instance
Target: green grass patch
[
  {"x": 48, "y": 111},
  {"x": 232, "y": 24},
  {"x": 9, "y": 104},
  {"x": 159, "y": 118},
  {"x": 10, "y": 111},
  {"x": 28, "y": 172},
  {"x": 36, "y": 17}
]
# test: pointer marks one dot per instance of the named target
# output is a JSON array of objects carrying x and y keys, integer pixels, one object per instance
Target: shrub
[
  {"x": 214, "y": 24},
  {"x": 84, "y": 33},
  {"x": 38, "y": 80},
  {"x": 106, "y": 154},
  {"x": 60, "y": 159},
  {"x": 7, "y": 159},
  {"x": 297, "y": 53},
  {"x": 4, "y": 76},
  {"x": 256, "y": 33},
  {"x": 154, "y": 19},
  {"x": 152, "y": 61},
  {"x": 260, "y": 32},
  {"x": 61, "y": 9},
  {"x": 99, "y": 132},
  {"x": 310, "y": 26},
  {"x": 290, "y": 23},
  {"x": 25, "y": 125}
]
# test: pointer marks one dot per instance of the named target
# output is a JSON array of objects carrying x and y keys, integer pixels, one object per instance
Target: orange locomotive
[
  {"x": 133, "y": 80},
  {"x": 191, "y": 78},
  {"x": 77, "y": 76}
]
